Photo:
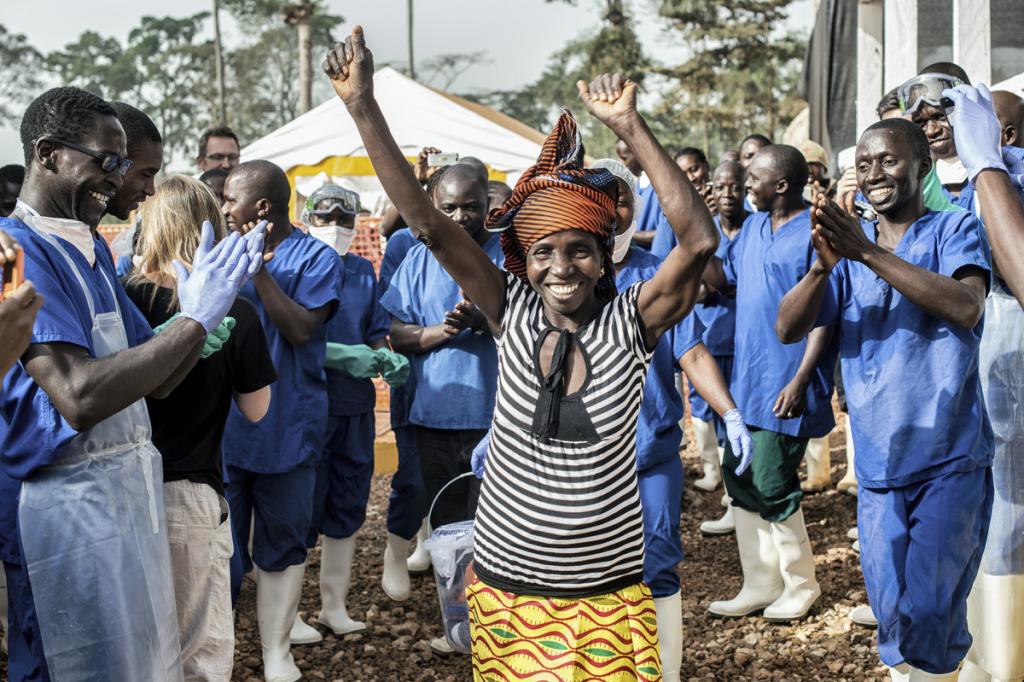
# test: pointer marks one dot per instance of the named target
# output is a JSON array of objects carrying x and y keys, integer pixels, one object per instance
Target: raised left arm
[{"x": 670, "y": 294}]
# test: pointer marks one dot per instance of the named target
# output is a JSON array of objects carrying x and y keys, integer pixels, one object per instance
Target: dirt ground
[{"x": 825, "y": 646}]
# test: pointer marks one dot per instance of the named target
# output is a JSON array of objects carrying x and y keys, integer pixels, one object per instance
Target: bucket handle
[{"x": 430, "y": 514}]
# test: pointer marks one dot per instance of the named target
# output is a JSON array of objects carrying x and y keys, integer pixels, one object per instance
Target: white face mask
[
  {"x": 951, "y": 171},
  {"x": 622, "y": 241},
  {"x": 337, "y": 237}
]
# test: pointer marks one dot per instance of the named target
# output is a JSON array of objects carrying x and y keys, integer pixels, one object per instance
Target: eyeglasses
[
  {"x": 217, "y": 158},
  {"x": 926, "y": 89},
  {"x": 108, "y": 162}
]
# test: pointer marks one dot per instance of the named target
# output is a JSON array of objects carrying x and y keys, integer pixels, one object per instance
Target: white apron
[{"x": 95, "y": 542}]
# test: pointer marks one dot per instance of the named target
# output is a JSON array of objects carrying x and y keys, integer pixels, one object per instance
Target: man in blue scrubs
[
  {"x": 906, "y": 296},
  {"x": 659, "y": 469},
  {"x": 87, "y": 571},
  {"x": 346, "y": 469},
  {"x": 783, "y": 391},
  {"x": 454, "y": 361},
  {"x": 271, "y": 464}
]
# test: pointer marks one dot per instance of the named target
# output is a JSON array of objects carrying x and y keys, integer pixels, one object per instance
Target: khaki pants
[{"x": 199, "y": 532}]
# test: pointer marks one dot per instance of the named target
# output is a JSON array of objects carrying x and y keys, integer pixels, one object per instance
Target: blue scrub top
[
  {"x": 456, "y": 382},
  {"x": 763, "y": 266},
  {"x": 658, "y": 434},
  {"x": 649, "y": 212},
  {"x": 32, "y": 429},
  {"x": 911, "y": 379},
  {"x": 394, "y": 253},
  {"x": 294, "y": 428},
  {"x": 1014, "y": 159},
  {"x": 360, "y": 320}
]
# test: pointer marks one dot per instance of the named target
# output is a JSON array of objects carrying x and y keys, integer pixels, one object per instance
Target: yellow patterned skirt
[{"x": 608, "y": 638}]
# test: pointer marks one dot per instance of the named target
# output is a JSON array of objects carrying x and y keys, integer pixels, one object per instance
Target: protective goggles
[
  {"x": 926, "y": 89},
  {"x": 108, "y": 162},
  {"x": 346, "y": 202}
]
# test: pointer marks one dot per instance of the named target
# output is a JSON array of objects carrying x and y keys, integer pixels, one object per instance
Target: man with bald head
[
  {"x": 454, "y": 364},
  {"x": 1010, "y": 112},
  {"x": 784, "y": 392},
  {"x": 270, "y": 464}
]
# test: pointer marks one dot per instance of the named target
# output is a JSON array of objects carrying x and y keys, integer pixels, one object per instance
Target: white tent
[{"x": 322, "y": 145}]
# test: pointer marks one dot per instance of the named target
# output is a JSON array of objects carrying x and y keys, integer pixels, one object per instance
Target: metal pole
[
  {"x": 412, "y": 61},
  {"x": 218, "y": 58}
]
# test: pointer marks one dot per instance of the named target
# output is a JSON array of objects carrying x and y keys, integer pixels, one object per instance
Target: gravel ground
[{"x": 825, "y": 646}]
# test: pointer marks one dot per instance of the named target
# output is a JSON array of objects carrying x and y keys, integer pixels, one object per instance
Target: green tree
[
  {"x": 741, "y": 77},
  {"x": 21, "y": 74}
]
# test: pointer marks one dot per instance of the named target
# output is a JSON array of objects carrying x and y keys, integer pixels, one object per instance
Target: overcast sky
[{"x": 517, "y": 35}]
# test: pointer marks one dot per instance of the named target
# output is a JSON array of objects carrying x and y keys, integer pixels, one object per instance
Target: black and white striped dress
[{"x": 563, "y": 517}]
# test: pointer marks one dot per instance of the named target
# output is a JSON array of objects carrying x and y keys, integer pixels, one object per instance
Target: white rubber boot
[
  {"x": 864, "y": 616},
  {"x": 796, "y": 563},
  {"x": 706, "y": 441},
  {"x": 819, "y": 465},
  {"x": 759, "y": 560},
  {"x": 335, "y": 577},
  {"x": 302, "y": 632},
  {"x": 419, "y": 561},
  {"x": 995, "y": 618},
  {"x": 683, "y": 442},
  {"x": 900, "y": 673},
  {"x": 848, "y": 484},
  {"x": 971, "y": 672},
  {"x": 721, "y": 526},
  {"x": 277, "y": 601},
  {"x": 395, "y": 579},
  {"x": 670, "y": 635}
]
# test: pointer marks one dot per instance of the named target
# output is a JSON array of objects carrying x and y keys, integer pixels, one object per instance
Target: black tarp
[{"x": 830, "y": 76}]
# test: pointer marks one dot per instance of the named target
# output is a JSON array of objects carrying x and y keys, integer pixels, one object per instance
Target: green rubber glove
[
  {"x": 358, "y": 361},
  {"x": 394, "y": 368},
  {"x": 215, "y": 340}
]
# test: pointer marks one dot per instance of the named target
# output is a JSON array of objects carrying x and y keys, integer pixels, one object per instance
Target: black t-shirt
[{"x": 189, "y": 423}]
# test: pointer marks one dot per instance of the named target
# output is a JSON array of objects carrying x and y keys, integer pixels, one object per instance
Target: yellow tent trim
[{"x": 350, "y": 165}]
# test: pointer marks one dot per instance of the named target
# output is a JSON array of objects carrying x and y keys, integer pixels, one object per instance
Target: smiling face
[
  {"x": 80, "y": 188},
  {"x": 140, "y": 182},
  {"x": 748, "y": 150},
  {"x": 937, "y": 129},
  {"x": 221, "y": 152},
  {"x": 564, "y": 269},
  {"x": 241, "y": 205},
  {"x": 462, "y": 197},
  {"x": 764, "y": 182},
  {"x": 887, "y": 172},
  {"x": 695, "y": 169}
]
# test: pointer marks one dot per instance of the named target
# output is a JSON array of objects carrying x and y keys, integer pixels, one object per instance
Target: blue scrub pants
[
  {"x": 921, "y": 547},
  {"x": 281, "y": 505},
  {"x": 699, "y": 407},
  {"x": 343, "y": 477},
  {"x": 25, "y": 660},
  {"x": 407, "y": 504},
  {"x": 661, "y": 497}
]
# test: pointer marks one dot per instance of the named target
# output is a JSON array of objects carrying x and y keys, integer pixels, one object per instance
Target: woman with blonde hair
[{"x": 188, "y": 424}]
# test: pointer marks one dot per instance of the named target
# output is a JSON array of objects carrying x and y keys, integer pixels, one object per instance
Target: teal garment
[
  {"x": 215, "y": 340},
  {"x": 935, "y": 198}
]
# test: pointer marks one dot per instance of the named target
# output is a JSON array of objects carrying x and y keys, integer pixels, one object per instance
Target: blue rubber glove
[
  {"x": 254, "y": 241},
  {"x": 207, "y": 293},
  {"x": 976, "y": 130},
  {"x": 478, "y": 460},
  {"x": 739, "y": 438},
  {"x": 394, "y": 367},
  {"x": 214, "y": 341}
]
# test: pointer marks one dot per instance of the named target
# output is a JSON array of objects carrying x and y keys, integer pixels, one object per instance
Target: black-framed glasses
[{"x": 108, "y": 162}]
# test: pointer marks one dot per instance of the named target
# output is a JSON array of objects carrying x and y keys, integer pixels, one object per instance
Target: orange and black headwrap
[{"x": 557, "y": 194}]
